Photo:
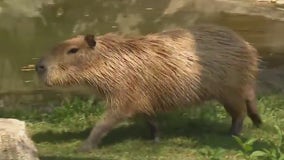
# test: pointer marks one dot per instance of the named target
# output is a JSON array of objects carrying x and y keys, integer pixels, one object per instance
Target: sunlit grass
[{"x": 199, "y": 133}]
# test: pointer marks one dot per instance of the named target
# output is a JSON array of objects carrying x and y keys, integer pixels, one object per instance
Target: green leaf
[
  {"x": 266, "y": 150},
  {"x": 248, "y": 148},
  {"x": 239, "y": 141},
  {"x": 251, "y": 141},
  {"x": 257, "y": 154},
  {"x": 281, "y": 157},
  {"x": 280, "y": 134}
]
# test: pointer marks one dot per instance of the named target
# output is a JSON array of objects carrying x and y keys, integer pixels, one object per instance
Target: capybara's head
[{"x": 67, "y": 62}]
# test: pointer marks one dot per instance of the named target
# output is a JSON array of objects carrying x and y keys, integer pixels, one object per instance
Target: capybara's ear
[{"x": 90, "y": 39}]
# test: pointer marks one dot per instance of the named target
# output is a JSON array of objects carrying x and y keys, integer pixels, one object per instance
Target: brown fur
[{"x": 160, "y": 72}]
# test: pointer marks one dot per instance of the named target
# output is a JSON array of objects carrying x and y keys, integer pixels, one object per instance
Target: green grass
[{"x": 198, "y": 133}]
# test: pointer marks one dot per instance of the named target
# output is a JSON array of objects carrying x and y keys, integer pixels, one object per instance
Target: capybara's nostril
[{"x": 40, "y": 68}]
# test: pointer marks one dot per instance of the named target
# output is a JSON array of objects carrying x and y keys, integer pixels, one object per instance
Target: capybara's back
[
  {"x": 159, "y": 72},
  {"x": 175, "y": 68}
]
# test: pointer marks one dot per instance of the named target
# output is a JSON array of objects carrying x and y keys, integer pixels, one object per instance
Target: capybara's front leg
[{"x": 100, "y": 130}]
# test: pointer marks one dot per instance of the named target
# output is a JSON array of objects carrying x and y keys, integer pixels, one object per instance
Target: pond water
[{"x": 29, "y": 28}]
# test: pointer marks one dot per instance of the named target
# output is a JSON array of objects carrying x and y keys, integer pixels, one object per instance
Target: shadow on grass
[
  {"x": 204, "y": 132},
  {"x": 65, "y": 158},
  {"x": 52, "y": 136}
]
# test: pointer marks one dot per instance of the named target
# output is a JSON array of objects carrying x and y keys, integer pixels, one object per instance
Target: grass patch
[{"x": 198, "y": 133}]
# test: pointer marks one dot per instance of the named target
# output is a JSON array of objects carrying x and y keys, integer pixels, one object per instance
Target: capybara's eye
[{"x": 73, "y": 50}]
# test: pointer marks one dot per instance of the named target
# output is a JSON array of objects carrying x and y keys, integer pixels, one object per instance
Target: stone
[
  {"x": 15, "y": 144},
  {"x": 280, "y": 2}
]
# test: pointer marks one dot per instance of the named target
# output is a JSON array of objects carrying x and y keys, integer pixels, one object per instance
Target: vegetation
[{"x": 197, "y": 133}]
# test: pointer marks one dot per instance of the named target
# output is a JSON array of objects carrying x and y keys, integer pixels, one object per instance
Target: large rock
[
  {"x": 280, "y": 3},
  {"x": 14, "y": 141}
]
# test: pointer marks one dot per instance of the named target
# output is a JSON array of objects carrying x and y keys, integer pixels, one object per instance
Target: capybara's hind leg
[
  {"x": 102, "y": 127},
  {"x": 236, "y": 107},
  {"x": 251, "y": 104},
  {"x": 154, "y": 128}
]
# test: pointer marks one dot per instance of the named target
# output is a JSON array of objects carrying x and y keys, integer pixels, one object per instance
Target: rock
[
  {"x": 280, "y": 5},
  {"x": 268, "y": 1},
  {"x": 279, "y": 2},
  {"x": 14, "y": 141}
]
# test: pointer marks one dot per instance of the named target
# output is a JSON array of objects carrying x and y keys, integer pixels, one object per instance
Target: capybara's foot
[
  {"x": 86, "y": 147},
  {"x": 256, "y": 120},
  {"x": 234, "y": 133},
  {"x": 235, "y": 130},
  {"x": 237, "y": 125}
]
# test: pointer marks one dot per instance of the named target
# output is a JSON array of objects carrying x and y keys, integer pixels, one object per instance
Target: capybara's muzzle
[{"x": 40, "y": 67}]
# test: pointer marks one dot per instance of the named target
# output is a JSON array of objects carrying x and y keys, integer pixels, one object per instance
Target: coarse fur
[{"x": 159, "y": 72}]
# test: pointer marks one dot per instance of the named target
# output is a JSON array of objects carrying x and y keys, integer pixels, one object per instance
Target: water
[{"x": 29, "y": 28}]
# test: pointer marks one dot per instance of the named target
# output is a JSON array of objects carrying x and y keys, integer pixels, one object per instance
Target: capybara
[{"x": 158, "y": 72}]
